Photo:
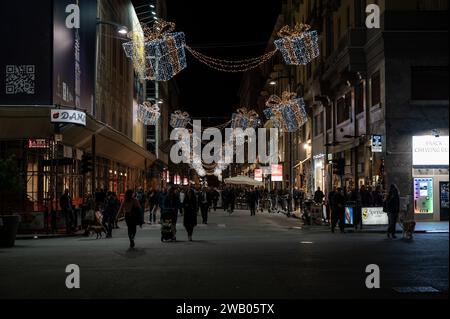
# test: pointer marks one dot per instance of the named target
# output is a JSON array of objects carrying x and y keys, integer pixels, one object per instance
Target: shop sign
[
  {"x": 258, "y": 175},
  {"x": 38, "y": 143},
  {"x": 430, "y": 150},
  {"x": 374, "y": 216},
  {"x": 277, "y": 173},
  {"x": 377, "y": 144},
  {"x": 68, "y": 116}
]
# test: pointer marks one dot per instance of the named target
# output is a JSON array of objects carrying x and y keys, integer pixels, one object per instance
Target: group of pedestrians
[{"x": 364, "y": 197}]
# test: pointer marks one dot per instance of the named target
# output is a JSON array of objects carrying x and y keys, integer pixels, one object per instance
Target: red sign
[
  {"x": 277, "y": 173},
  {"x": 258, "y": 175},
  {"x": 38, "y": 143}
]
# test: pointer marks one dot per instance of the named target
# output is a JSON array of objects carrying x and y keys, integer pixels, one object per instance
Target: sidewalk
[{"x": 421, "y": 227}]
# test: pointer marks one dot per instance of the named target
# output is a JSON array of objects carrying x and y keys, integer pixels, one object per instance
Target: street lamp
[{"x": 121, "y": 29}]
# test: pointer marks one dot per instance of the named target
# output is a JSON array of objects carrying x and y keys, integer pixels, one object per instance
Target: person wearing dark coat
[
  {"x": 338, "y": 211},
  {"x": 377, "y": 196},
  {"x": 190, "y": 213},
  {"x": 204, "y": 201},
  {"x": 131, "y": 209},
  {"x": 319, "y": 196},
  {"x": 171, "y": 206},
  {"x": 392, "y": 205},
  {"x": 231, "y": 198},
  {"x": 65, "y": 202},
  {"x": 251, "y": 200}
]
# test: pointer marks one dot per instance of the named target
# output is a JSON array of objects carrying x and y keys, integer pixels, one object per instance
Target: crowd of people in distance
[{"x": 189, "y": 202}]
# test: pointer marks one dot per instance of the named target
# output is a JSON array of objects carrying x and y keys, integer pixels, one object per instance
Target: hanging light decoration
[
  {"x": 148, "y": 113},
  {"x": 287, "y": 113},
  {"x": 244, "y": 119},
  {"x": 179, "y": 119},
  {"x": 163, "y": 51},
  {"x": 232, "y": 66},
  {"x": 299, "y": 46}
]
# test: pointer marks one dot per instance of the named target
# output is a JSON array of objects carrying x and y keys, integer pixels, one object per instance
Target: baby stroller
[{"x": 166, "y": 227}]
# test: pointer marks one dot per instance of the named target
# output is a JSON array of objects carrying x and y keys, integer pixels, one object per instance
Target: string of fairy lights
[
  {"x": 232, "y": 66},
  {"x": 158, "y": 54}
]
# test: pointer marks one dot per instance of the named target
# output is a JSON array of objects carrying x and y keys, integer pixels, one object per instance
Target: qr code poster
[{"x": 20, "y": 79}]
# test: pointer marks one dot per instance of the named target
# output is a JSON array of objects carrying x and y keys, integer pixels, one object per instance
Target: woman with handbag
[{"x": 131, "y": 209}]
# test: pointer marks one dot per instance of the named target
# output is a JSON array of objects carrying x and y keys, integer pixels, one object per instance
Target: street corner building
[
  {"x": 69, "y": 103},
  {"x": 377, "y": 101}
]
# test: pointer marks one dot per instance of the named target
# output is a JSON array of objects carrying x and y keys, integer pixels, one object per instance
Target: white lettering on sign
[{"x": 68, "y": 116}]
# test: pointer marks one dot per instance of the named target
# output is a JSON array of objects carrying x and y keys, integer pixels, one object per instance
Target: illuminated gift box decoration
[
  {"x": 179, "y": 119},
  {"x": 299, "y": 46},
  {"x": 148, "y": 113},
  {"x": 244, "y": 119},
  {"x": 163, "y": 50},
  {"x": 287, "y": 113}
]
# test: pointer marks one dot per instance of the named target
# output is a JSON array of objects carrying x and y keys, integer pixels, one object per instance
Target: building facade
[
  {"x": 81, "y": 70},
  {"x": 386, "y": 85}
]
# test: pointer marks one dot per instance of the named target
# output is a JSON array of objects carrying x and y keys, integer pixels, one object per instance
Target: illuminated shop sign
[{"x": 430, "y": 150}]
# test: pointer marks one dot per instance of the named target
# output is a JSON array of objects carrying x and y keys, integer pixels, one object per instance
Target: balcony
[{"x": 348, "y": 57}]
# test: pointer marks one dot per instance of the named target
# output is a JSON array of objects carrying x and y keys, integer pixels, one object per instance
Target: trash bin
[{"x": 8, "y": 230}]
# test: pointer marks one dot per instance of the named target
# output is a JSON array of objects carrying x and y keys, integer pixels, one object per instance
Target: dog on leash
[
  {"x": 408, "y": 229},
  {"x": 97, "y": 230}
]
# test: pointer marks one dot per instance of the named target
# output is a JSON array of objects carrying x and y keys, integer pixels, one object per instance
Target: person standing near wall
[{"x": 392, "y": 207}]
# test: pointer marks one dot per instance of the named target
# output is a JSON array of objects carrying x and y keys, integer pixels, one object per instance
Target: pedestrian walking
[
  {"x": 110, "y": 213},
  {"x": 65, "y": 202},
  {"x": 161, "y": 198},
  {"x": 182, "y": 197},
  {"x": 215, "y": 198},
  {"x": 377, "y": 196},
  {"x": 330, "y": 203},
  {"x": 152, "y": 198},
  {"x": 116, "y": 210},
  {"x": 338, "y": 211},
  {"x": 251, "y": 200},
  {"x": 204, "y": 205},
  {"x": 231, "y": 200},
  {"x": 296, "y": 196},
  {"x": 131, "y": 209},
  {"x": 392, "y": 207},
  {"x": 142, "y": 199},
  {"x": 190, "y": 214},
  {"x": 171, "y": 206}
]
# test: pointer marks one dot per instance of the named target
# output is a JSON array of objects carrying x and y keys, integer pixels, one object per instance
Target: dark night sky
[{"x": 212, "y": 27}]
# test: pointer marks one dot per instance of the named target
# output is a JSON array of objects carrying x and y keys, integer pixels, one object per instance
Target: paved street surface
[{"x": 234, "y": 256}]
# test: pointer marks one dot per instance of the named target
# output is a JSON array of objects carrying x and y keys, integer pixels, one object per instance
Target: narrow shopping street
[{"x": 234, "y": 256}]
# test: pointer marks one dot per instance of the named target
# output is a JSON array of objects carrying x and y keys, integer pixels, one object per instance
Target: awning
[
  {"x": 243, "y": 180},
  {"x": 34, "y": 122}
]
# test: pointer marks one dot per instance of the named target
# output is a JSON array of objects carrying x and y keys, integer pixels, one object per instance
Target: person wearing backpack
[{"x": 131, "y": 209}]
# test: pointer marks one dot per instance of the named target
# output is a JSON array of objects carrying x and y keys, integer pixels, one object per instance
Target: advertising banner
[
  {"x": 258, "y": 175},
  {"x": 374, "y": 216},
  {"x": 349, "y": 215},
  {"x": 277, "y": 173},
  {"x": 74, "y": 54}
]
